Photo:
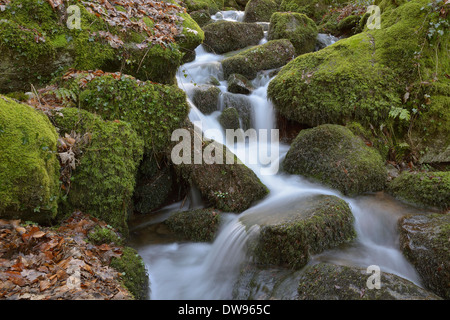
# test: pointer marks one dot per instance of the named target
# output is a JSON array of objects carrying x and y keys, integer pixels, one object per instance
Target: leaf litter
[{"x": 42, "y": 263}]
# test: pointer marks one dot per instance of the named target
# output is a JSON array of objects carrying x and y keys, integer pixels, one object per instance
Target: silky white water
[{"x": 208, "y": 271}]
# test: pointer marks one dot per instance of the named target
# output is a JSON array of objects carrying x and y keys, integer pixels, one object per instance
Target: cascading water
[{"x": 208, "y": 271}]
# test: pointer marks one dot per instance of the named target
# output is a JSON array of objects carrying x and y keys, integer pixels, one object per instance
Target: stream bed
[{"x": 180, "y": 270}]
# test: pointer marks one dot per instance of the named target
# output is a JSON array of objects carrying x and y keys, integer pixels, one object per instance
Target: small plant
[
  {"x": 106, "y": 234},
  {"x": 220, "y": 194}
]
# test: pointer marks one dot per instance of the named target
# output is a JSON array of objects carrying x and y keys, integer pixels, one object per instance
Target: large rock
[
  {"x": 312, "y": 225},
  {"x": 195, "y": 225},
  {"x": 300, "y": 30},
  {"x": 230, "y": 187},
  {"x": 369, "y": 78},
  {"x": 426, "y": 189},
  {"x": 35, "y": 42},
  {"x": 229, "y": 119},
  {"x": 154, "y": 110},
  {"x": 323, "y": 282},
  {"x": 259, "y": 10},
  {"x": 103, "y": 181},
  {"x": 29, "y": 168},
  {"x": 224, "y": 36},
  {"x": 332, "y": 282},
  {"x": 239, "y": 84},
  {"x": 153, "y": 185},
  {"x": 425, "y": 240},
  {"x": 270, "y": 55},
  {"x": 333, "y": 155},
  {"x": 206, "y": 98},
  {"x": 242, "y": 105}
]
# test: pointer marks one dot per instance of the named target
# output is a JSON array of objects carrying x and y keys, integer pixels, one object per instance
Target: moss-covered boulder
[
  {"x": 259, "y": 10},
  {"x": 154, "y": 184},
  {"x": 374, "y": 76},
  {"x": 206, "y": 98},
  {"x": 315, "y": 9},
  {"x": 239, "y": 84},
  {"x": 334, "y": 282},
  {"x": 202, "y": 17},
  {"x": 133, "y": 273},
  {"x": 313, "y": 225},
  {"x": 270, "y": 55},
  {"x": 300, "y": 30},
  {"x": 153, "y": 110},
  {"x": 29, "y": 168},
  {"x": 333, "y": 155},
  {"x": 344, "y": 22},
  {"x": 225, "y": 36},
  {"x": 37, "y": 41},
  {"x": 242, "y": 105},
  {"x": 425, "y": 240},
  {"x": 104, "y": 178},
  {"x": 426, "y": 189},
  {"x": 224, "y": 182},
  {"x": 195, "y": 225},
  {"x": 212, "y": 6},
  {"x": 229, "y": 119}
]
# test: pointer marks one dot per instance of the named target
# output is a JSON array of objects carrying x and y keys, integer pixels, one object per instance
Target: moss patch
[
  {"x": 333, "y": 155},
  {"x": 195, "y": 225},
  {"x": 29, "y": 168},
  {"x": 368, "y": 75},
  {"x": 225, "y": 36},
  {"x": 332, "y": 282},
  {"x": 227, "y": 187},
  {"x": 270, "y": 55},
  {"x": 104, "y": 180},
  {"x": 322, "y": 222},
  {"x": 229, "y": 119},
  {"x": 153, "y": 110},
  {"x": 297, "y": 28},
  {"x": 134, "y": 274},
  {"x": 259, "y": 10},
  {"x": 430, "y": 189}
]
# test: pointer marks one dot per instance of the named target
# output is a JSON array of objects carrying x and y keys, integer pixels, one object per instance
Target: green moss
[
  {"x": 259, "y": 10},
  {"x": 195, "y": 225},
  {"x": 297, "y": 28},
  {"x": 332, "y": 155},
  {"x": 227, "y": 187},
  {"x": 325, "y": 281},
  {"x": 103, "y": 182},
  {"x": 101, "y": 235},
  {"x": 37, "y": 44},
  {"x": 211, "y": 5},
  {"x": 229, "y": 119},
  {"x": 320, "y": 223},
  {"x": 270, "y": 55},
  {"x": 134, "y": 273},
  {"x": 153, "y": 185},
  {"x": 29, "y": 168},
  {"x": 239, "y": 84},
  {"x": 314, "y": 9},
  {"x": 371, "y": 138},
  {"x": 206, "y": 98},
  {"x": 202, "y": 17},
  {"x": 153, "y": 110},
  {"x": 19, "y": 96},
  {"x": 225, "y": 36},
  {"x": 362, "y": 77},
  {"x": 423, "y": 188}
]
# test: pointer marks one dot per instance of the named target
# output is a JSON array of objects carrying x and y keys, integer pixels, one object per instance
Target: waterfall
[{"x": 208, "y": 270}]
